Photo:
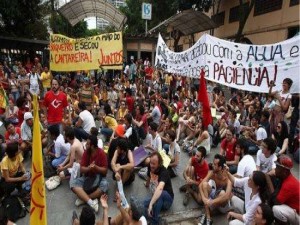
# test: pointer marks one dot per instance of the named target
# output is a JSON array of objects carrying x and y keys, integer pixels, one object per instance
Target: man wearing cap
[
  {"x": 26, "y": 133},
  {"x": 86, "y": 94},
  {"x": 286, "y": 199}
]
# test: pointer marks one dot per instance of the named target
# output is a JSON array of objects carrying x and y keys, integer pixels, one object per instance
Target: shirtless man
[
  {"x": 215, "y": 190},
  {"x": 74, "y": 155}
]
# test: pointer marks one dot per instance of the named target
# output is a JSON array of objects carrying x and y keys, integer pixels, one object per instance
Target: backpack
[
  {"x": 12, "y": 208},
  {"x": 134, "y": 139}
]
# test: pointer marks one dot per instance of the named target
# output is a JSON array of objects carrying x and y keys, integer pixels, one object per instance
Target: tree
[{"x": 21, "y": 18}]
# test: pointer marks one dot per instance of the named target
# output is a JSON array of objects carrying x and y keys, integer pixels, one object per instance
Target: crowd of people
[{"x": 253, "y": 140}]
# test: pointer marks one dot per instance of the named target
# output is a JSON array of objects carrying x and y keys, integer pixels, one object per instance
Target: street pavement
[{"x": 60, "y": 202}]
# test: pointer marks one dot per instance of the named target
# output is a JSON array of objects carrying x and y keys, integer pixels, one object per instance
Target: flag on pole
[
  {"x": 203, "y": 98},
  {"x": 3, "y": 98},
  {"x": 38, "y": 211}
]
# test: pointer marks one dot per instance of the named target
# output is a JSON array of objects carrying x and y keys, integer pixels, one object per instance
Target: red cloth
[
  {"x": 13, "y": 138},
  {"x": 229, "y": 147},
  {"x": 98, "y": 157},
  {"x": 55, "y": 105},
  {"x": 130, "y": 103},
  {"x": 289, "y": 193},
  {"x": 199, "y": 170},
  {"x": 203, "y": 98},
  {"x": 149, "y": 71}
]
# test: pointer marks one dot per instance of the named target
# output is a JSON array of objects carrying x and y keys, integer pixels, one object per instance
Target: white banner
[{"x": 241, "y": 66}]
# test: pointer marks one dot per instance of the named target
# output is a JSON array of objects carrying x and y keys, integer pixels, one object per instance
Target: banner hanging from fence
[
  {"x": 241, "y": 66},
  {"x": 101, "y": 51}
]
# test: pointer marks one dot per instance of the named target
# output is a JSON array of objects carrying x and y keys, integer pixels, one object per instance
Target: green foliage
[
  {"x": 22, "y": 18},
  {"x": 161, "y": 10}
]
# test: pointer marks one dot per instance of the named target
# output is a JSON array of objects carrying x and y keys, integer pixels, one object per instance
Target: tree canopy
[{"x": 21, "y": 18}]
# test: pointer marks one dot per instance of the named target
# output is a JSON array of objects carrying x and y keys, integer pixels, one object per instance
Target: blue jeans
[
  {"x": 166, "y": 147},
  {"x": 164, "y": 202},
  {"x": 107, "y": 132},
  {"x": 15, "y": 95},
  {"x": 57, "y": 161}
]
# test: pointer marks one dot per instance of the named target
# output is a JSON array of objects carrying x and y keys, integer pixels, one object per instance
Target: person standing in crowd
[
  {"x": 286, "y": 198},
  {"x": 46, "y": 77},
  {"x": 56, "y": 104},
  {"x": 160, "y": 185},
  {"x": 34, "y": 80},
  {"x": 14, "y": 86},
  {"x": 86, "y": 94}
]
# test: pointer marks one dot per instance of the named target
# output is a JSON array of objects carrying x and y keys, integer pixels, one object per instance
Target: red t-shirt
[
  {"x": 20, "y": 114},
  {"x": 200, "y": 170},
  {"x": 9, "y": 138},
  {"x": 229, "y": 148},
  {"x": 55, "y": 105},
  {"x": 179, "y": 105},
  {"x": 98, "y": 157},
  {"x": 289, "y": 193},
  {"x": 130, "y": 103},
  {"x": 149, "y": 72}
]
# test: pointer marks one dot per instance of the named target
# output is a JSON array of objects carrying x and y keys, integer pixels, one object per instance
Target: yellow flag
[
  {"x": 3, "y": 98},
  {"x": 38, "y": 210}
]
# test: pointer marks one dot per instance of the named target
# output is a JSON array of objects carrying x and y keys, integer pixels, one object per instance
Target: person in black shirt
[{"x": 159, "y": 183}]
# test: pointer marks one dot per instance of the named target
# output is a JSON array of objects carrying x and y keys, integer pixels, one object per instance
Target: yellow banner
[
  {"x": 101, "y": 51},
  {"x": 3, "y": 98},
  {"x": 38, "y": 210}
]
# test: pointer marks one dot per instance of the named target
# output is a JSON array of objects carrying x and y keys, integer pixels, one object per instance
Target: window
[
  {"x": 292, "y": 31},
  {"x": 266, "y": 6},
  {"x": 237, "y": 12},
  {"x": 219, "y": 18},
  {"x": 294, "y": 2}
]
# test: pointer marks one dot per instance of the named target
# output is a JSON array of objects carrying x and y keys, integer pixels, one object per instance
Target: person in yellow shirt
[
  {"x": 110, "y": 123},
  {"x": 46, "y": 78},
  {"x": 12, "y": 170}
]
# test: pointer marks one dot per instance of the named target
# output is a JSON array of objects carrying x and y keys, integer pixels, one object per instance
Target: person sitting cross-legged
[
  {"x": 193, "y": 174},
  {"x": 93, "y": 183}
]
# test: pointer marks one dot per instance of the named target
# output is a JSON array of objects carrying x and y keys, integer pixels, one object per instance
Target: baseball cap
[
  {"x": 120, "y": 130},
  {"x": 28, "y": 116},
  {"x": 285, "y": 162}
]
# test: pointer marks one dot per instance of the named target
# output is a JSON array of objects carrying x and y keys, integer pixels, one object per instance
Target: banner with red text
[
  {"x": 101, "y": 51},
  {"x": 241, "y": 66}
]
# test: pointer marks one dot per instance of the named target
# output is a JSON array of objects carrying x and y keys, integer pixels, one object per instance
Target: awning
[
  {"x": 187, "y": 22},
  {"x": 76, "y": 10}
]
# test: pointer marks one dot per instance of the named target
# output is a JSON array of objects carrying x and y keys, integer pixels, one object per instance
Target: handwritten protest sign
[
  {"x": 241, "y": 66},
  {"x": 67, "y": 54}
]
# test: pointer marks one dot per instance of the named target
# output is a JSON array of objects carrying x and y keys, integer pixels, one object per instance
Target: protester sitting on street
[
  {"x": 11, "y": 113},
  {"x": 140, "y": 120},
  {"x": 265, "y": 159},
  {"x": 264, "y": 215},
  {"x": 122, "y": 162},
  {"x": 12, "y": 134},
  {"x": 109, "y": 122},
  {"x": 215, "y": 190},
  {"x": 119, "y": 133},
  {"x": 122, "y": 111},
  {"x": 233, "y": 121},
  {"x": 193, "y": 174},
  {"x": 74, "y": 156},
  {"x": 13, "y": 172},
  {"x": 59, "y": 150},
  {"x": 94, "y": 168},
  {"x": 228, "y": 150},
  {"x": 160, "y": 185},
  {"x": 186, "y": 124},
  {"x": 256, "y": 192},
  {"x": 84, "y": 123},
  {"x": 173, "y": 152},
  {"x": 286, "y": 198},
  {"x": 281, "y": 136}
]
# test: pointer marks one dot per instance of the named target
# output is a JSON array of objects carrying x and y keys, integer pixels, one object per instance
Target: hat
[
  {"x": 285, "y": 162},
  {"x": 120, "y": 130},
  {"x": 28, "y": 116},
  {"x": 175, "y": 105}
]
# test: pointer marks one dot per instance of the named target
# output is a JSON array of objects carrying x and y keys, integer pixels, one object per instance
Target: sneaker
[
  {"x": 95, "y": 205},
  {"x": 202, "y": 219},
  {"x": 79, "y": 202},
  {"x": 209, "y": 222},
  {"x": 186, "y": 199},
  {"x": 182, "y": 188}
]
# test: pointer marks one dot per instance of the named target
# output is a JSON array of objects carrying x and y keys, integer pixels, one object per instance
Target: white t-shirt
[
  {"x": 87, "y": 120},
  {"x": 156, "y": 114},
  {"x": 284, "y": 97},
  {"x": 250, "y": 204},
  {"x": 143, "y": 220},
  {"x": 265, "y": 164},
  {"x": 128, "y": 132},
  {"x": 261, "y": 134},
  {"x": 61, "y": 148},
  {"x": 246, "y": 166},
  {"x": 172, "y": 152},
  {"x": 155, "y": 143}
]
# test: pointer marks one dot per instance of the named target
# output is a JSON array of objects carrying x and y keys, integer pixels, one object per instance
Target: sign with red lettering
[
  {"x": 241, "y": 66},
  {"x": 105, "y": 51}
]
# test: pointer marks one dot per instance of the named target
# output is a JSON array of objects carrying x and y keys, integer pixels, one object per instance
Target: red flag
[{"x": 203, "y": 98}]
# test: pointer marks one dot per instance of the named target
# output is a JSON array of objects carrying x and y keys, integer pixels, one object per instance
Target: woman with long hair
[
  {"x": 281, "y": 136},
  {"x": 256, "y": 193},
  {"x": 264, "y": 215}
]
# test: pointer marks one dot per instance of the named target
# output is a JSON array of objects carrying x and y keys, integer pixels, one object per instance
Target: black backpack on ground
[{"x": 12, "y": 208}]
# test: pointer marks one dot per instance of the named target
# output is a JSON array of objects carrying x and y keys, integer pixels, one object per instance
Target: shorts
[{"x": 100, "y": 181}]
